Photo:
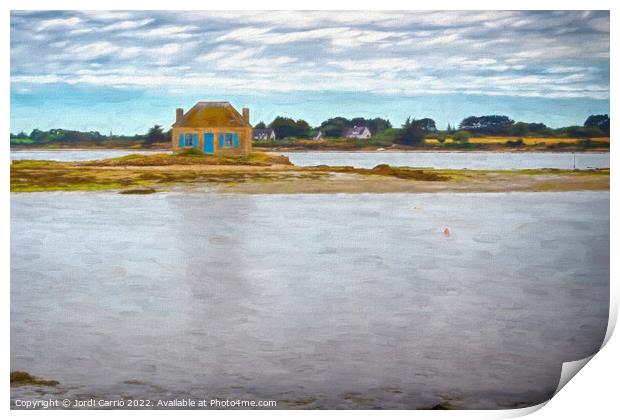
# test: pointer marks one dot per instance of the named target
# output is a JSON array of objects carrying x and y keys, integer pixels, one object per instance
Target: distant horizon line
[{"x": 311, "y": 126}]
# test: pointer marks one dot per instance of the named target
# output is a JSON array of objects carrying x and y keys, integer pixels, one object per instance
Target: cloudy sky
[{"x": 124, "y": 71}]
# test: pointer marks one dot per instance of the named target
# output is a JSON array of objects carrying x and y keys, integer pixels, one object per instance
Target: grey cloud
[{"x": 552, "y": 54}]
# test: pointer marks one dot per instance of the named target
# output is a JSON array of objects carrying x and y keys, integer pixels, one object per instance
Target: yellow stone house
[{"x": 213, "y": 128}]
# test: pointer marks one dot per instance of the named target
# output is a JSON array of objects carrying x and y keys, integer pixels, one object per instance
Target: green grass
[
  {"x": 191, "y": 157},
  {"x": 145, "y": 176},
  {"x": 18, "y": 142}
]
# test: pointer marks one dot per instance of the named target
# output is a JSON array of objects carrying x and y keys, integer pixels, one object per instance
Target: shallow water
[
  {"x": 68, "y": 155},
  {"x": 443, "y": 160},
  {"x": 352, "y": 301},
  {"x": 456, "y": 160}
]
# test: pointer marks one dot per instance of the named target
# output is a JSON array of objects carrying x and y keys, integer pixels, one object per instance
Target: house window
[
  {"x": 229, "y": 140},
  {"x": 188, "y": 140}
]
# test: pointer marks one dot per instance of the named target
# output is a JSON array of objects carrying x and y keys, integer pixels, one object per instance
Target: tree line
[
  {"x": 155, "y": 134},
  {"x": 285, "y": 127},
  {"x": 412, "y": 132}
]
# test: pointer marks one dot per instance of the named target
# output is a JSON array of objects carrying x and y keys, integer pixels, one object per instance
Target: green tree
[
  {"x": 375, "y": 125},
  {"x": 461, "y": 136},
  {"x": 20, "y": 135},
  {"x": 585, "y": 132},
  {"x": 335, "y": 127},
  {"x": 38, "y": 136},
  {"x": 487, "y": 124},
  {"x": 260, "y": 125},
  {"x": 155, "y": 134},
  {"x": 303, "y": 128},
  {"x": 520, "y": 129},
  {"x": 598, "y": 121},
  {"x": 412, "y": 133},
  {"x": 288, "y": 127}
]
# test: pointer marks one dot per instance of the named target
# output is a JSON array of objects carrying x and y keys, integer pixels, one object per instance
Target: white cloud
[
  {"x": 564, "y": 69},
  {"x": 107, "y": 15},
  {"x": 440, "y": 39},
  {"x": 93, "y": 50},
  {"x": 402, "y": 52},
  {"x": 243, "y": 34},
  {"x": 179, "y": 32},
  {"x": 392, "y": 64},
  {"x": 127, "y": 24},
  {"x": 58, "y": 23},
  {"x": 466, "y": 61}
]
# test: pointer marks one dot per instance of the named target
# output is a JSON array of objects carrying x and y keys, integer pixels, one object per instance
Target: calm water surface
[
  {"x": 355, "y": 301},
  {"x": 456, "y": 160},
  {"x": 77, "y": 155},
  {"x": 443, "y": 160}
]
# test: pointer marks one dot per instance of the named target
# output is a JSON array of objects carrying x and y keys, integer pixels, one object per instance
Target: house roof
[
  {"x": 356, "y": 131},
  {"x": 212, "y": 114},
  {"x": 266, "y": 131}
]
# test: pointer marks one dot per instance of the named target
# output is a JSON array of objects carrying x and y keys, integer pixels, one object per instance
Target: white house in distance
[
  {"x": 356, "y": 132},
  {"x": 264, "y": 134}
]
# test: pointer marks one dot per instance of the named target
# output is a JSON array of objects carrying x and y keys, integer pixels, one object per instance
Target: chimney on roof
[
  {"x": 179, "y": 114},
  {"x": 246, "y": 115}
]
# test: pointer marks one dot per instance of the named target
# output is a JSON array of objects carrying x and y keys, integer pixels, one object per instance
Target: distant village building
[
  {"x": 213, "y": 128},
  {"x": 264, "y": 134},
  {"x": 356, "y": 132}
]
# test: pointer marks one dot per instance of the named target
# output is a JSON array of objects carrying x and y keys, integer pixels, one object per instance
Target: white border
[{"x": 592, "y": 395}]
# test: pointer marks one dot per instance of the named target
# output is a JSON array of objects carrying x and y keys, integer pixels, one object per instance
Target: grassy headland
[{"x": 265, "y": 173}]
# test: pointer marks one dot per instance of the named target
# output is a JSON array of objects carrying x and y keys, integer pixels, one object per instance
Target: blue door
[{"x": 208, "y": 143}]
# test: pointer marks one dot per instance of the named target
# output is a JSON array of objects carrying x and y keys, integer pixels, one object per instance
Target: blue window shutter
[
  {"x": 181, "y": 140},
  {"x": 236, "y": 140},
  {"x": 222, "y": 140},
  {"x": 195, "y": 140}
]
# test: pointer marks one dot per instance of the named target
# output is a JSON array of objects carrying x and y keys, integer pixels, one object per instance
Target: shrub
[
  {"x": 576, "y": 131},
  {"x": 439, "y": 136},
  {"x": 412, "y": 133},
  {"x": 461, "y": 136},
  {"x": 515, "y": 143}
]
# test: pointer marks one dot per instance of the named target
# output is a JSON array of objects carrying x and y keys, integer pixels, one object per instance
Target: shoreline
[
  {"x": 267, "y": 174},
  {"x": 86, "y": 149},
  {"x": 437, "y": 151},
  {"x": 284, "y": 150}
]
